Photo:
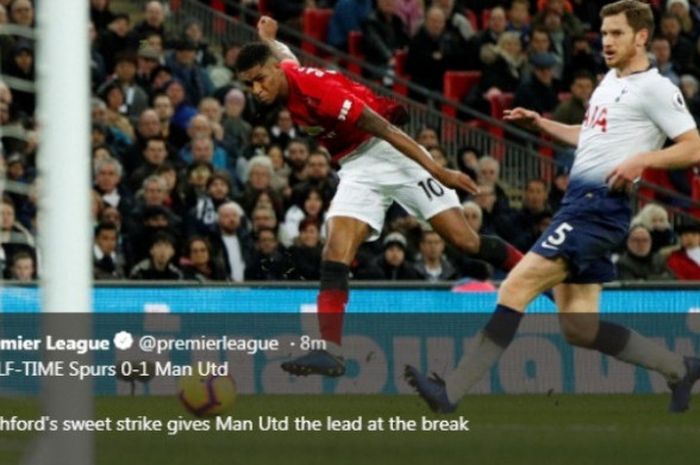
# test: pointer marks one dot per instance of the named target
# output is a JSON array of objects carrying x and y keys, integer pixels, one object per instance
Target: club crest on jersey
[{"x": 312, "y": 131}]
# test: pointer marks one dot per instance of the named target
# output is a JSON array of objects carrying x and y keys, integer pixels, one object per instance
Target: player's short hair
[
  {"x": 253, "y": 54},
  {"x": 638, "y": 14}
]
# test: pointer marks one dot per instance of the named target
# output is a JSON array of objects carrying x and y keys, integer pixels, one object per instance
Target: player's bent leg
[
  {"x": 345, "y": 235},
  {"x": 452, "y": 226},
  {"x": 528, "y": 279},
  {"x": 578, "y": 306}
]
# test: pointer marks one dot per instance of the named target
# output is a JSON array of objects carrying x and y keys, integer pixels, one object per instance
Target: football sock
[
  {"x": 483, "y": 352},
  {"x": 332, "y": 299},
  {"x": 498, "y": 252},
  {"x": 631, "y": 347}
]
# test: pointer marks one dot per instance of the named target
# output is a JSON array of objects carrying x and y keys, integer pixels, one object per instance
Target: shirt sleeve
[
  {"x": 665, "y": 106},
  {"x": 339, "y": 104}
]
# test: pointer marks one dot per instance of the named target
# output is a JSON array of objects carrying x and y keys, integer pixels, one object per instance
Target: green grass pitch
[{"x": 523, "y": 430}]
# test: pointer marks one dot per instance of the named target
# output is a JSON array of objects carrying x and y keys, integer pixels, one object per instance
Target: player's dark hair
[
  {"x": 253, "y": 54},
  {"x": 638, "y": 14}
]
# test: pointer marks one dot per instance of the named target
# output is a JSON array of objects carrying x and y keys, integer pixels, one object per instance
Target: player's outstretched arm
[
  {"x": 376, "y": 125},
  {"x": 267, "y": 31},
  {"x": 683, "y": 153},
  {"x": 567, "y": 133}
]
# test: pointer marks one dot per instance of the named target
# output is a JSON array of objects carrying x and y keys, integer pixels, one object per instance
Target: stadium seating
[
  {"x": 695, "y": 211},
  {"x": 355, "y": 51},
  {"x": 263, "y": 7},
  {"x": 456, "y": 85},
  {"x": 471, "y": 16},
  {"x": 400, "y": 71},
  {"x": 315, "y": 26}
]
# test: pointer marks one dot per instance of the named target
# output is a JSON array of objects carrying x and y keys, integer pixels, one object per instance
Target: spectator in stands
[
  {"x": 100, "y": 14},
  {"x": 682, "y": 49},
  {"x": 155, "y": 153},
  {"x": 519, "y": 19},
  {"x": 202, "y": 146},
  {"x": 309, "y": 207},
  {"x": 305, "y": 252},
  {"x": 264, "y": 217},
  {"x": 114, "y": 39},
  {"x": 108, "y": 177},
  {"x": 22, "y": 267},
  {"x": 347, "y": 17},
  {"x": 431, "y": 52},
  {"x": 392, "y": 264},
  {"x": 198, "y": 173},
  {"x": 281, "y": 171},
  {"x": 20, "y": 65},
  {"x": 411, "y": 13},
  {"x": 496, "y": 26},
  {"x": 526, "y": 225},
  {"x": 283, "y": 130},
  {"x": 270, "y": 261},
  {"x": 297, "y": 155},
  {"x": 502, "y": 71},
  {"x": 489, "y": 173},
  {"x": 203, "y": 217},
  {"x": 175, "y": 135},
  {"x": 582, "y": 59},
  {"x": 655, "y": 218},
  {"x": 558, "y": 188},
  {"x": 22, "y": 13},
  {"x": 572, "y": 110},
  {"x": 468, "y": 161},
  {"x": 183, "y": 63},
  {"x": 690, "y": 86},
  {"x": 456, "y": 20},
  {"x": 570, "y": 24},
  {"x": 260, "y": 172},
  {"x": 3, "y": 14},
  {"x": 160, "y": 78},
  {"x": 495, "y": 218},
  {"x": 638, "y": 261},
  {"x": 148, "y": 127},
  {"x": 432, "y": 264},
  {"x": 258, "y": 143},
  {"x": 474, "y": 215},
  {"x": 153, "y": 22},
  {"x": 681, "y": 8},
  {"x": 203, "y": 57},
  {"x": 236, "y": 129},
  {"x": 152, "y": 192},
  {"x": 685, "y": 263},
  {"x": 661, "y": 49},
  {"x": 115, "y": 110},
  {"x": 231, "y": 241},
  {"x": 159, "y": 266},
  {"x": 539, "y": 93},
  {"x": 142, "y": 225},
  {"x": 319, "y": 176},
  {"x": 211, "y": 108},
  {"x": 428, "y": 137},
  {"x": 223, "y": 73},
  {"x": 438, "y": 154},
  {"x": 198, "y": 263},
  {"x": 107, "y": 262},
  {"x": 147, "y": 61},
  {"x": 383, "y": 34}
]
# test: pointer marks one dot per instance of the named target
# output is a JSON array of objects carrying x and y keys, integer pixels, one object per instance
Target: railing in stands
[{"x": 520, "y": 161}]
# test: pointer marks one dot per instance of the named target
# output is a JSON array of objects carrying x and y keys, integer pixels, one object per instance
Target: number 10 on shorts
[{"x": 431, "y": 188}]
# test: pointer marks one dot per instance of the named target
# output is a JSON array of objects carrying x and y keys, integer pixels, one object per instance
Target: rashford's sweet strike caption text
[{"x": 266, "y": 423}]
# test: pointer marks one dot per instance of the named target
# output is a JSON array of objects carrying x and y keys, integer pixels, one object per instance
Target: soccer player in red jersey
[{"x": 379, "y": 163}]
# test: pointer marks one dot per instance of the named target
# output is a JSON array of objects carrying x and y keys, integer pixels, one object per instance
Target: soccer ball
[{"x": 206, "y": 396}]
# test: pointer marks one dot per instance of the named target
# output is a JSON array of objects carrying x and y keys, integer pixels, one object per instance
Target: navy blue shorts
[{"x": 585, "y": 231}]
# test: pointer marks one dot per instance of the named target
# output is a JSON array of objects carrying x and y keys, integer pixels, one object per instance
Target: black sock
[
  {"x": 503, "y": 325},
  {"x": 611, "y": 338}
]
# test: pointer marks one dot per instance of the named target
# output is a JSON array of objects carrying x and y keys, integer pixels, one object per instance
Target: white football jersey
[{"x": 627, "y": 116}]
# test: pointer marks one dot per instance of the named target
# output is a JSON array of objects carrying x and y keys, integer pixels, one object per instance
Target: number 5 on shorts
[{"x": 558, "y": 237}]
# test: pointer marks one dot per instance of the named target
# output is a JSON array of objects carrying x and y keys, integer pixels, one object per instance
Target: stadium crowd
[{"x": 193, "y": 180}]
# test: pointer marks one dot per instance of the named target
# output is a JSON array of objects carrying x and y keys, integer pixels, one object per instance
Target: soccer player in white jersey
[{"x": 631, "y": 113}]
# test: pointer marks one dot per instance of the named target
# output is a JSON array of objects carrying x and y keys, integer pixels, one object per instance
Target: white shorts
[{"x": 375, "y": 175}]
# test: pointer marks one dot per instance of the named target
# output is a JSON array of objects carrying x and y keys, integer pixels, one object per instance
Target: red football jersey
[{"x": 326, "y": 105}]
